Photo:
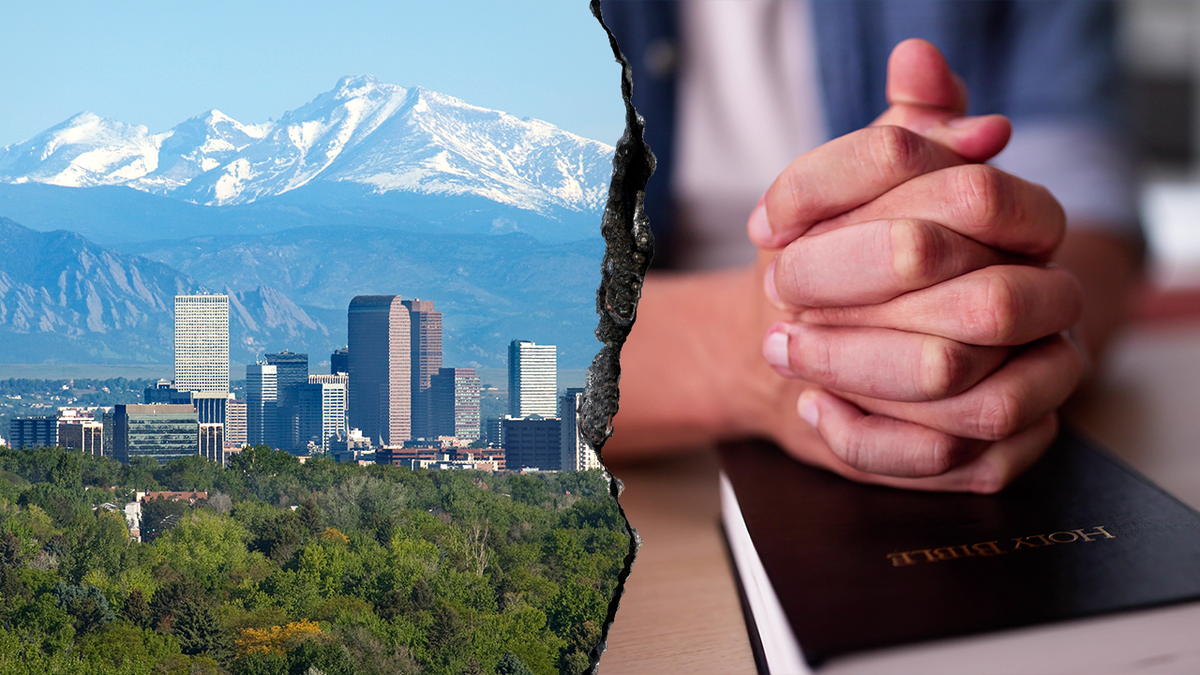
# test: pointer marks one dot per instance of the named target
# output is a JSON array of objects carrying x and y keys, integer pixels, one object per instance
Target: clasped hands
[{"x": 918, "y": 323}]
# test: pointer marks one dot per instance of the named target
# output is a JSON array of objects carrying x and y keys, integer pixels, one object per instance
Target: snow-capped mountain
[
  {"x": 364, "y": 135},
  {"x": 84, "y": 151},
  {"x": 199, "y": 144}
]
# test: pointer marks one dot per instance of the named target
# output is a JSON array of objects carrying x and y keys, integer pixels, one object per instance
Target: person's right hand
[{"x": 917, "y": 314}]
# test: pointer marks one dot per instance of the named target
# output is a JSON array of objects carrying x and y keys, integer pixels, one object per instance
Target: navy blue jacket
[{"x": 1027, "y": 59}]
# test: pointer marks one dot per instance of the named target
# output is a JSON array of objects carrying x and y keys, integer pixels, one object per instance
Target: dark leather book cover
[{"x": 860, "y": 567}]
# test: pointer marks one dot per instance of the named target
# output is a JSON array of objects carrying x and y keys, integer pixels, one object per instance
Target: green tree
[
  {"x": 68, "y": 471},
  {"x": 86, "y": 604},
  {"x": 139, "y": 474},
  {"x": 97, "y": 543},
  {"x": 46, "y": 624},
  {"x": 169, "y": 599},
  {"x": 324, "y": 657},
  {"x": 160, "y": 515},
  {"x": 279, "y": 536},
  {"x": 511, "y": 664},
  {"x": 310, "y": 516},
  {"x": 199, "y": 631},
  {"x": 529, "y": 490},
  {"x": 136, "y": 610},
  {"x": 192, "y": 472},
  {"x": 134, "y": 649},
  {"x": 206, "y": 547},
  {"x": 11, "y": 553}
]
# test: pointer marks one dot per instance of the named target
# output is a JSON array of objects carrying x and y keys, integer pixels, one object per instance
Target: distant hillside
[
  {"x": 490, "y": 290},
  {"x": 64, "y": 298}
]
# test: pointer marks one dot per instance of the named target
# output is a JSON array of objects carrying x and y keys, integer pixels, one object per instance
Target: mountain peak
[
  {"x": 81, "y": 117},
  {"x": 363, "y": 135},
  {"x": 353, "y": 86}
]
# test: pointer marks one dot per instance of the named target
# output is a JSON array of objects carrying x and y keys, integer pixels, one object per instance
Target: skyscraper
[
  {"x": 261, "y": 399},
  {"x": 532, "y": 379},
  {"x": 379, "y": 399},
  {"x": 202, "y": 343},
  {"x": 454, "y": 403},
  {"x": 235, "y": 424},
  {"x": 339, "y": 361},
  {"x": 291, "y": 371},
  {"x": 577, "y": 455},
  {"x": 322, "y": 409},
  {"x": 425, "y": 349}
]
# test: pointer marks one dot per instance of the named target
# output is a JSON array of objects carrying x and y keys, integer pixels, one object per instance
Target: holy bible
[{"x": 1081, "y": 565}]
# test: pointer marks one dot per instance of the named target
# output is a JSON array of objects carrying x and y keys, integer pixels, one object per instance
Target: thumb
[{"x": 926, "y": 97}]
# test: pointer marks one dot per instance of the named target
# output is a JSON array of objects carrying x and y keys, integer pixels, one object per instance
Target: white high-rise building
[
  {"x": 322, "y": 404},
  {"x": 532, "y": 379},
  {"x": 261, "y": 397},
  {"x": 577, "y": 455},
  {"x": 202, "y": 343}
]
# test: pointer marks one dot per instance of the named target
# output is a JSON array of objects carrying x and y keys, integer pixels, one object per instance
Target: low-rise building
[
  {"x": 533, "y": 442},
  {"x": 38, "y": 431},
  {"x": 160, "y": 431}
]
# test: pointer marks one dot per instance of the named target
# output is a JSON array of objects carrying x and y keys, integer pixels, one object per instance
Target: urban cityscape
[{"x": 387, "y": 399}]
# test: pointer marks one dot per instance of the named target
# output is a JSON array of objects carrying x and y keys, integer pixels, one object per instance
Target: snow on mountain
[
  {"x": 195, "y": 146},
  {"x": 380, "y": 137},
  {"x": 441, "y": 145},
  {"x": 84, "y": 151}
]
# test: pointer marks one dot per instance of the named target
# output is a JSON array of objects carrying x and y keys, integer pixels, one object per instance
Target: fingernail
[
  {"x": 962, "y": 122},
  {"x": 775, "y": 349},
  {"x": 807, "y": 406},
  {"x": 769, "y": 286},
  {"x": 758, "y": 226}
]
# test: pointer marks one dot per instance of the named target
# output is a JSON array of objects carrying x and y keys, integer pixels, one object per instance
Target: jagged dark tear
[{"x": 629, "y": 246}]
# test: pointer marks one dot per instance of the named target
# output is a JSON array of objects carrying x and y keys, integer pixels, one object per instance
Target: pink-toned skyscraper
[
  {"x": 380, "y": 400},
  {"x": 425, "y": 335}
]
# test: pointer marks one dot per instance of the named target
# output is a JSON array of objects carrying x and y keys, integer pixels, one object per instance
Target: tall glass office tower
[
  {"x": 202, "y": 343},
  {"x": 532, "y": 379},
  {"x": 379, "y": 400},
  {"x": 291, "y": 372}
]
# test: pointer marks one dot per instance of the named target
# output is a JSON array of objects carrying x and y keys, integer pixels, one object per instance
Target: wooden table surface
[{"x": 680, "y": 611}]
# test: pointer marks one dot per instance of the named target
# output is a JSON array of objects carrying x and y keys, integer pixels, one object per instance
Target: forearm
[{"x": 687, "y": 368}]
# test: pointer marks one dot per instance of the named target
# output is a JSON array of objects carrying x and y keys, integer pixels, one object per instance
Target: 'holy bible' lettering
[{"x": 991, "y": 548}]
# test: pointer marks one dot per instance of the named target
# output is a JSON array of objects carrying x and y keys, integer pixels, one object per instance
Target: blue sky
[{"x": 159, "y": 63}]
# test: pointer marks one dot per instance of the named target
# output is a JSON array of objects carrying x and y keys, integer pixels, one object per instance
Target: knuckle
[
  {"x": 982, "y": 195},
  {"x": 999, "y": 415},
  {"x": 794, "y": 185},
  {"x": 945, "y": 368},
  {"x": 993, "y": 321},
  {"x": 916, "y": 252},
  {"x": 897, "y": 152},
  {"x": 939, "y": 453},
  {"x": 850, "y": 445},
  {"x": 794, "y": 285},
  {"x": 816, "y": 359}
]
